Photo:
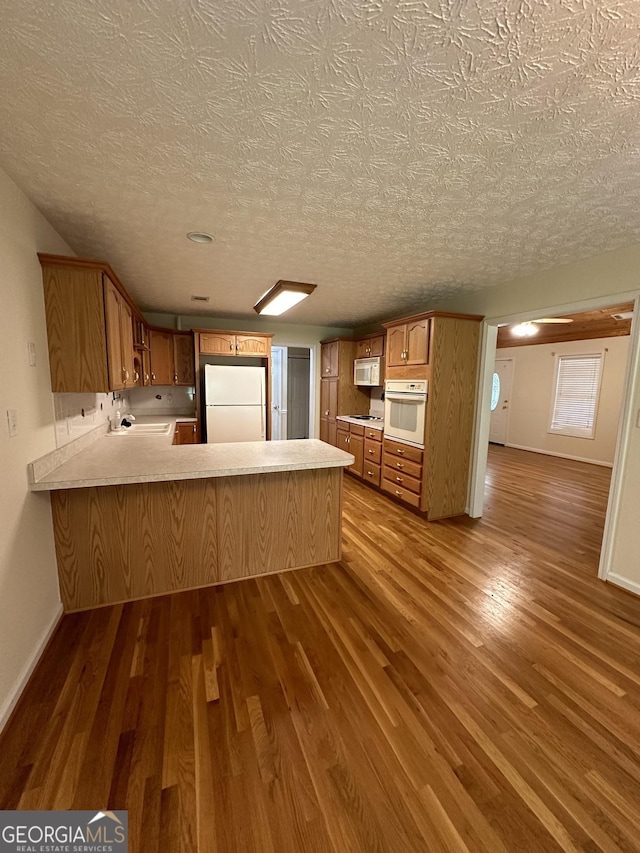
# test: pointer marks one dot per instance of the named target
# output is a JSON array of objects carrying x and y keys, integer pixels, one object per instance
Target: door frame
[
  {"x": 626, "y": 422},
  {"x": 314, "y": 383},
  {"x": 279, "y": 364}
]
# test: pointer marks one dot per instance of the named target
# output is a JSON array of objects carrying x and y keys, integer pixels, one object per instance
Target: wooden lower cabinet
[
  {"x": 186, "y": 433},
  {"x": 328, "y": 431},
  {"x": 371, "y": 473},
  {"x": 119, "y": 543},
  {"x": 400, "y": 493},
  {"x": 402, "y": 472},
  {"x": 356, "y": 447},
  {"x": 372, "y": 451}
]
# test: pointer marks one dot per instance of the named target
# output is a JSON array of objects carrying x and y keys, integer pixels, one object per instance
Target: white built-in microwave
[{"x": 368, "y": 371}]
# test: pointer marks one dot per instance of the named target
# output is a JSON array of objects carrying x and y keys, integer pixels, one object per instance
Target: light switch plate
[{"x": 31, "y": 349}]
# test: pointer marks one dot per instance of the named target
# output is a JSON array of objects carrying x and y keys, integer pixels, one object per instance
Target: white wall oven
[{"x": 405, "y": 407}]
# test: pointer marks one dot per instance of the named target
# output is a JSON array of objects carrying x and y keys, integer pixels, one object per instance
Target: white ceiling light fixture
[
  {"x": 283, "y": 296},
  {"x": 200, "y": 237},
  {"x": 524, "y": 330}
]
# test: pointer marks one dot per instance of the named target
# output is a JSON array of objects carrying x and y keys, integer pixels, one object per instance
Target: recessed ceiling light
[
  {"x": 524, "y": 330},
  {"x": 195, "y": 298},
  {"x": 200, "y": 237}
]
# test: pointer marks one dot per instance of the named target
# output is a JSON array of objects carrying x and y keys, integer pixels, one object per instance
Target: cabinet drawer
[
  {"x": 371, "y": 473},
  {"x": 373, "y": 434},
  {"x": 372, "y": 451},
  {"x": 406, "y": 466},
  {"x": 402, "y": 494},
  {"x": 402, "y": 480},
  {"x": 396, "y": 448},
  {"x": 356, "y": 429}
]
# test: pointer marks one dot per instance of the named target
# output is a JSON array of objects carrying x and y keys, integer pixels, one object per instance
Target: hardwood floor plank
[{"x": 462, "y": 685}]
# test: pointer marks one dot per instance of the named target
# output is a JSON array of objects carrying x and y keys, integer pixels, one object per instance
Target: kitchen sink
[{"x": 144, "y": 429}]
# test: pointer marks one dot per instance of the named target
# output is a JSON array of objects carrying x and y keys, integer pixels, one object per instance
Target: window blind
[{"x": 576, "y": 395}]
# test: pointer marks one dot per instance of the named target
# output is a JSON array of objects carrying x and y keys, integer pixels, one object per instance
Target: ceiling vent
[
  {"x": 200, "y": 298},
  {"x": 623, "y": 315}
]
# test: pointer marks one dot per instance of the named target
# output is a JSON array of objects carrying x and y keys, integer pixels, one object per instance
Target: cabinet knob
[
  {"x": 194, "y": 427},
  {"x": 153, "y": 376},
  {"x": 146, "y": 377},
  {"x": 175, "y": 377},
  {"x": 371, "y": 452},
  {"x": 399, "y": 465},
  {"x": 399, "y": 480},
  {"x": 401, "y": 452},
  {"x": 399, "y": 494},
  {"x": 369, "y": 473},
  {"x": 326, "y": 413},
  {"x": 326, "y": 370},
  {"x": 136, "y": 376}
]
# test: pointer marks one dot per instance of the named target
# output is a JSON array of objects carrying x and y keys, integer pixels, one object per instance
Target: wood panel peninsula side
[{"x": 151, "y": 518}]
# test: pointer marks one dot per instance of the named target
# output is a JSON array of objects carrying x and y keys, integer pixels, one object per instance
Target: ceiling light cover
[
  {"x": 524, "y": 330},
  {"x": 283, "y": 296},
  {"x": 200, "y": 237}
]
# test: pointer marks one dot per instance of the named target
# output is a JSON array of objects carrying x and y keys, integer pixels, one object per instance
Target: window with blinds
[{"x": 577, "y": 388}]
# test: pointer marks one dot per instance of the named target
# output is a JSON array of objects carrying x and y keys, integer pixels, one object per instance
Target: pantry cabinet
[{"x": 338, "y": 394}]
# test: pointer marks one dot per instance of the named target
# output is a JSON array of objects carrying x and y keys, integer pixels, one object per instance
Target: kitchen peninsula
[{"x": 137, "y": 516}]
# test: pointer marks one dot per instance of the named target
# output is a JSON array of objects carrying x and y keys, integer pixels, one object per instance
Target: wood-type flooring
[{"x": 465, "y": 685}]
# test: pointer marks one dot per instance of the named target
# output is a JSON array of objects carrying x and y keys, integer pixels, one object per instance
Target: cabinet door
[
  {"x": 217, "y": 343},
  {"x": 126, "y": 340},
  {"x": 342, "y": 439},
  {"x": 396, "y": 337},
  {"x": 146, "y": 367},
  {"x": 418, "y": 342},
  {"x": 252, "y": 345},
  {"x": 112, "y": 301},
  {"x": 329, "y": 399},
  {"x": 356, "y": 446},
  {"x": 324, "y": 430},
  {"x": 184, "y": 360},
  {"x": 329, "y": 358},
  {"x": 362, "y": 348},
  {"x": 162, "y": 369},
  {"x": 186, "y": 433},
  {"x": 376, "y": 346}
]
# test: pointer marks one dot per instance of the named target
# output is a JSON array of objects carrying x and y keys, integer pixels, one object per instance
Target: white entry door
[{"x": 500, "y": 397}]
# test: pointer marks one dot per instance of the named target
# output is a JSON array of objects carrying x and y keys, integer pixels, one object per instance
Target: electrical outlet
[{"x": 12, "y": 422}]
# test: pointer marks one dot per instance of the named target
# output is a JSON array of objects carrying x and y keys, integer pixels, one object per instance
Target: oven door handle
[{"x": 405, "y": 398}]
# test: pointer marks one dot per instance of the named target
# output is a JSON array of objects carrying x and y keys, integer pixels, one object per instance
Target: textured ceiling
[{"x": 392, "y": 151}]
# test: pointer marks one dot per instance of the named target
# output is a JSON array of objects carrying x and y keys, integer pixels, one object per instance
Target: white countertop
[
  {"x": 379, "y": 425},
  {"x": 115, "y": 460}
]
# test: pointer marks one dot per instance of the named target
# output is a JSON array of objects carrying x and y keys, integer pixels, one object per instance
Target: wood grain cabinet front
[
  {"x": 172, "y": 358},
  {"x": 235, "y": 344},
  {"x": 183, "y": 359},
  {"x": 89, "y": 327},
  {"x": 371, "y": 346},
  {"x": 408, "y": 343},
  {"x": 186, "y": 433}
]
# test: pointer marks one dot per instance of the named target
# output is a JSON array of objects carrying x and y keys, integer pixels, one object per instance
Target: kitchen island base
[{"x": 123, "y": 542}]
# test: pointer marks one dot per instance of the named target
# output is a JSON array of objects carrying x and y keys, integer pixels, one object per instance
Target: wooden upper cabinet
[
  {"x": 396, "y": 337},
  {"x": 112, "y": 300},
  {"x": 408, "y": 342},
  {"x": 235, "y": 343},
  {"x": 253, "y": 345},
  {"x": 162, "y": 366},
  {"x": 370, "y": 347},
  {"x": 217, "y": 343},
  {"x": 184, "y": 359},
  {"x": 417, "y": 342},
  {"x": 126, "y": 343},
  {"x": 330, "y": 358}
]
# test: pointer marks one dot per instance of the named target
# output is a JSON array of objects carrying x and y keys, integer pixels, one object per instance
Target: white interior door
[
  {"x": 500, "y": 400},
  {"x": 278, "y": 393}
]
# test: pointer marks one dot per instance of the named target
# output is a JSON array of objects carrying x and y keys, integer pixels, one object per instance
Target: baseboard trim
[
  {"x": 625, "y": 583},
  {"x": 10, "y": 703},
  {"x": 561, "y": 455}
]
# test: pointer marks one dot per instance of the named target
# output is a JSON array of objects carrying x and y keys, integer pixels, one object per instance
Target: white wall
[
  {"x": 532, "y": 391},
  {"x": 29, "y": 597}
]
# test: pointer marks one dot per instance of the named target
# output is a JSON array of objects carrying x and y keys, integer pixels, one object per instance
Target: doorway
[
  {"x": 621, "y": 436},
  {"x": 291, "y": 374}
]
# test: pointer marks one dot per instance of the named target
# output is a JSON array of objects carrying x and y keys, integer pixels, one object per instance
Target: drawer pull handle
[
  {"x": 401, "y": 452},
  {"x": 370, "y": 473},
  {"x": 399, "y": 480},
  {"x": 371, "y": 452},
  {"x": 399, "y": 465},
  {"x": 398, "y": 493}
]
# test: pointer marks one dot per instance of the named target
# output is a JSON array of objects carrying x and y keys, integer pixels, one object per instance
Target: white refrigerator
[{"x": 235, "y": 403}]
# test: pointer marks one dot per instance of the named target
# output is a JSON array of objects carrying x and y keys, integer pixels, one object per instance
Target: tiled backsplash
[
  {"x": 78, "y": 414},
  {"x": 162, "y": 400}
]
